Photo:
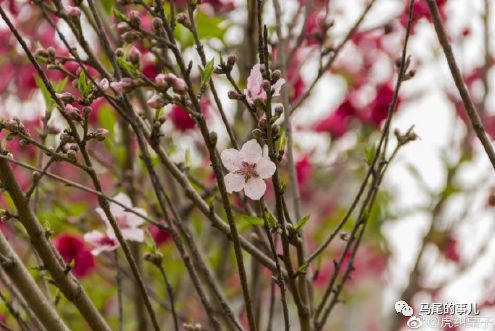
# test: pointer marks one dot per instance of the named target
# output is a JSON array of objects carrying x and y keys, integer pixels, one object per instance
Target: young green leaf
[
  {"x": 272, "y": 223},
  {"x": 206, "y": 72},
  {"x": 301, "y": 222},
  {"x": 253, "y": 220},
  {"x": 46, "y": 94}
]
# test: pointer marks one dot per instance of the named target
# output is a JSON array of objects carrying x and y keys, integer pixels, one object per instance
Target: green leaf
[
  {"x": 120, "y": 15},
  {"x": 208, "y": 27},
  {"x": 59, "y": 87},
  {"x": 107, "y": 119},
  {"x": 301, "y": 222},
  {"x": 206, "y": 72},
  {"x": 46, "y": 94},
  {"x": 272, "y": 222},
  {"x": 253, "y": 220},
  {"x": 369, "y": 154},
  {"x": 127, "y": 66},
  {"x": 282, "y": 141},
  {"x": 83, "y": 85},
  {"x": 107, "y": 5},
  {"x": 187, "y": 159}
]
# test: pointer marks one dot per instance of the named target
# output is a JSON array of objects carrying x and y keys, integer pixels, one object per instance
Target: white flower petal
[
  {"x": 123, "y": 199},
  {"x": 255, "y": 188},
  {"x": 101, "y": 242},
  {"x": 133, "y": 220},
  {"x": 251, "y": 151},
  {"x": 234, "y": 182},
  {"x": 93, "y": 237},
  {"x": 133, "y": 234},
  {"x": 231, "y": 159},
  {"x": 277, "y": 86},
  {"x": 255, "y": 79},
  {"x": 265, "y": 168}
]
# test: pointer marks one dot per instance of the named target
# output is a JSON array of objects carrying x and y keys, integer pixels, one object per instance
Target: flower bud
[
  {"x": 122, "y": 27},
  {"x": 213, "y": 137},
  {"x": 71, "y": 155},
  {"x": 262, "y": 122},
  {"x": 100, "y": 134},
  {"x": 134, "y": 19},
  {"x": 51, "y": 52},
  {"x": 130, "y": 36},
  {"x": 73, "y": 113},
  {"x": 157, "y": 23},
  {"x": 279, "y": 110},
  {"x": 179, "y": 86},
  {"x": 36, "y": 176},
  {"x": 73, "y": 12},
  {"x": 65, "y": 138},
  {"x": 183, "y": 20},
  {"x": 231, "y": 60},
  {"x": 276, "y": 75},
  {"x": 53, "y": 129},
  {"x": 275, "y": 129},
  {"x": 119, "y": 52},
  {"x": 156, "y": 101},
  {"x": 134, "y": 55},
  {"x": 66, "y": 97},
  {"x": 104, "y": 84}
]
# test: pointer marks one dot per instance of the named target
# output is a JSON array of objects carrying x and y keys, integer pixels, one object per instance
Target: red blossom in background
[
  {"x": 161, "y": 237},
  {"x": 304, "y": 169},
  {"x": 451, "y": 250},
  {"x": 73, "y": 249},
  {"x": 420, "y": 10}
]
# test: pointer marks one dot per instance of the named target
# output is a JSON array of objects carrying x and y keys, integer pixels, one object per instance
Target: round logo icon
[{"x": 414, "y": 322}]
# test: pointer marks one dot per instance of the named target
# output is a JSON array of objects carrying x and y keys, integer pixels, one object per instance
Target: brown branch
[
  {"x": 469, "y": 106},
  {"x": 24, "y": 282},
  {"x": 67, "y": 284}
]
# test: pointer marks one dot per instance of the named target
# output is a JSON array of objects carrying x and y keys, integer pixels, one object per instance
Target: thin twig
[{"x": 469, "y": 106}]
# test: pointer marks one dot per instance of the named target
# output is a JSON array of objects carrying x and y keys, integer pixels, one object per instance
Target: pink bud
[
  {"x": 103, "y": 84},
  {"x": 156, "y": 101},
  {"x": 66, "y": 97},
  {"x": 134, "y": 55},
  {"x": 73, "y": 113},
  {"x": 100, "y": 134},
  {"x": 119, "y": 87},
  {"x": 161, "y": 80},
  {"x": 122, "y": 27},
  {"x": 133, "y": 14},
  {"x": 73, "y": 12},
  {"x": 179, "y": 85}
]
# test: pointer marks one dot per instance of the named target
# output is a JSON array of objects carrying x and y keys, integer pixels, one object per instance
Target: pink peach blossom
[
  {"x": 247, "y": 169},
  {"x": 101, "y": 242},
  {"x": 255, "y": 90},
  {"x": 128, "y": 222}
]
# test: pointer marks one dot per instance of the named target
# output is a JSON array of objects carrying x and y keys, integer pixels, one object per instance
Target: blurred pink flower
[
  {"x": 304, "y": 168},
  {"x": 128, "y": 222},
  {"x": 181, "y": 119},
  {"x": 72, "y": 248},
  {"x": 255, "y": 90},
  {"x": 160, "y": 236},
  {"x": 101, "y": 242},
  {"x": 247, "y": 169},
  {"x": 451, "y": 250},
  {"x": 378, "y": 108}
]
